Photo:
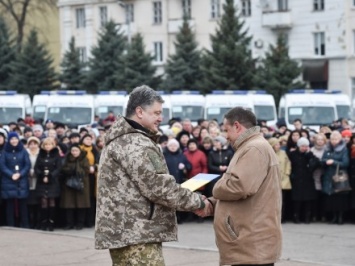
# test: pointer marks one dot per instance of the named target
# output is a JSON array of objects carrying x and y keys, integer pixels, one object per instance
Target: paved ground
[{"x": 303, "y": 245}]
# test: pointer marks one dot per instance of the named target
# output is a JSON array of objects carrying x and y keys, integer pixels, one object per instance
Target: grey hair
[{"x": 142, "y": 96}]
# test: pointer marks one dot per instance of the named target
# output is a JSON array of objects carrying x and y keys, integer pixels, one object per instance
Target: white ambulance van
[
  {"x": 259, "y": 102},
  {"x": 167, "y": 111},
  {"x": 187, "y": 104},
  {"x": 314, "y": 107},
  {"x": 72, "y": 108},
  {"x": 14, "y": 106},
  {"x": 39, "y": 105},
  {"x": 343, "y": 104},
  {"x": 107, "y": 101}
]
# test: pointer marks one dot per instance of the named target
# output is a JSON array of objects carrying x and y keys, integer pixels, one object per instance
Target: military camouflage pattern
[
  {"x": 143, "y": 254},
  {"x": 136, "y": 197}
]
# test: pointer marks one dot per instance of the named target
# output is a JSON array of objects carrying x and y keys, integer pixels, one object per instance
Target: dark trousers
[
  {"x": 10, "y": 212},
  {"x": 70, "y": 217}
]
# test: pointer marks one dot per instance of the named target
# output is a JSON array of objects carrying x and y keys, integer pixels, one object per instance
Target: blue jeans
[{"x": 10, "y": 212}]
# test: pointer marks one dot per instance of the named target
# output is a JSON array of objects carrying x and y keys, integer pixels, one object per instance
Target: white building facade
[{"x": 320, "y": 33}]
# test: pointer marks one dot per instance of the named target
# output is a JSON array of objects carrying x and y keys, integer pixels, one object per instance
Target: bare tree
[{"x": 18, "y": 10}]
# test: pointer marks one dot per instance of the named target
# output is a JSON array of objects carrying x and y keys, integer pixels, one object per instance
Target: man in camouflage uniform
[{"x": 136, "y": 196}]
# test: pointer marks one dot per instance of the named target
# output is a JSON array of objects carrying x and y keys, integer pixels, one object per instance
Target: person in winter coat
[
  {"x": 3, "y": 137},
  {"x": 285, "y": 171},
  {"x": 15, "y": 166},
  {"x": 75, "y": 202},
  {"x": 292, "y": 140},
  {"x": 303, "y": 192},
  {"x": 86, "y": 144},
  {"x": 197, "y": 159},
  {"x": 47, "y": 169},
  {"x": 335, "y": 154},
  {"x": 320, "y": 144},
  {"x": 33, "y": 144},
  {"x": 247, "y": 199},
  {"x": 351, "y": 150},
  {"x": 176, "y": 161},
  {"x": 218, "y": 161}
]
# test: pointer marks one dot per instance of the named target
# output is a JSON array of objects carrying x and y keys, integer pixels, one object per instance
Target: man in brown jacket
[{"x": 247, "y": 199}]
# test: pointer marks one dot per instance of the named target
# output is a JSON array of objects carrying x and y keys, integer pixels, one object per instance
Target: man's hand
[{"x": 206, "y": 211}]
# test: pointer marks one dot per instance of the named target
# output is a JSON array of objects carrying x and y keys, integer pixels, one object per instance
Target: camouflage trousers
[{"x": 150, "y": 254}]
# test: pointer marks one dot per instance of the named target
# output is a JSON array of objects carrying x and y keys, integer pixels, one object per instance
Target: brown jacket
[{"x": 247, "y": 201}]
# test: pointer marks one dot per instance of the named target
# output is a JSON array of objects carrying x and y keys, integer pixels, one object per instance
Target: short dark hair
[
  {"x": 297, "y": 120},
  {"x": 142, "y": 96},
  {"x": 243, "y": 116}
]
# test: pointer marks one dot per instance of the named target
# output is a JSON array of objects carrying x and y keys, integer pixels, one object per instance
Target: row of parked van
[{"x": 79, "y": 108}]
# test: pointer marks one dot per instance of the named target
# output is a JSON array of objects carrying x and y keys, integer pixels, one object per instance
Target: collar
[{"x": 248, "y": 133}]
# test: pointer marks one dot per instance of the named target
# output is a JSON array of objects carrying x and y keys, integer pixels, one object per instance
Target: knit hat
[
  {"x": 273, "y": 141},
  {"x": 302, "y": 142},
  {"x": 33, "y": 139},
  {"x": 13, "y": 134},
  {"x": 172, "y": 141},
  {"x": 3, "y": 133},
  {"x": 346, "y": 133},
  {"x": 37, "y": 127},
  {"x": 221, "y": 139}
]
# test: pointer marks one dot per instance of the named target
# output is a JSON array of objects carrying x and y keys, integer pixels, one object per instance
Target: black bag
[
  {"x": 341, "y": 181},
  {"x": 75, "y": 182}
]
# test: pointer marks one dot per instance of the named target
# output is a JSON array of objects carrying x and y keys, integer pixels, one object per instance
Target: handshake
[{"x": 207, "y": 210}]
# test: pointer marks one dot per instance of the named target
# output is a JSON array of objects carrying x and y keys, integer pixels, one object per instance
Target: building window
[
  {"x": 80, "y": 17},
  {"x": 129, "y": 10},
  {"x": 246, "y": 8},
  {"x": 215, "y": 9},
  {"x": 282, "y": 5},
  {"x": 82, "y": 54},
  {"x": 103, "y": 16},
  {"x": 319, "y": 43},
  {"x": 318, "y": 5},
  {"x": 157, "y": 12},
  {"x": 158, "y": 52},
  {"x": 186, "y": 8}
]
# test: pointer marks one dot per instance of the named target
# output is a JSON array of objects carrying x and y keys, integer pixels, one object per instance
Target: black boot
[
  {"x": 69, "y": 215},
  {"x": 340, "y": 218},
  {"x": 307, "y": 219},
  {"x": 80, "y": 218},
  {"x": 44, "y": 219},
  {"x": 50, "y": 223},
  {"x": 296, "y": 218},
  {"x": 334, "y": 220}
]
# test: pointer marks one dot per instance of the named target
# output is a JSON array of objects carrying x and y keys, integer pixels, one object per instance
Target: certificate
[{"x": 198, "y": 181}]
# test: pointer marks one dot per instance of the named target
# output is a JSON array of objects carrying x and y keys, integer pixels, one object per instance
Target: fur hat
[
  {"x": 3, "y": 133},
  {"x": 302, "y": 142},
  {"x": 33, "y": 139},
  {"x": 221, "y": 139},
  {"x": 273, "y": 141}
]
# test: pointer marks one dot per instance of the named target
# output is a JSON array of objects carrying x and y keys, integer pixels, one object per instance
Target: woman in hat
[
  {"x": 15, "y": 165},
  {"x": 86, "y": 144},
  {"x": 74, "y": 201},
  {"x": 32, "y": 201},
  {"x": 303, "y": 192},
  {"x": 47, "y": 170}
]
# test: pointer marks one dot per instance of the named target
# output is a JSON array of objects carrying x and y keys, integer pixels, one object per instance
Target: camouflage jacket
[{"x": 136, "y": 197}]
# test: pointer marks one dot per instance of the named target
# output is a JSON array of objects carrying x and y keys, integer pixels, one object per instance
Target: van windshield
[
  {"x": 39, "y": 111},
  {"x": 320, "y": 115},
  {"x": 103, "y": 111},
  {"x": 217, "y": 113},
  {"x": 166, "y": 116},
  {"x": 343, "y": 111},
  {"x": 192, "y": 112},
  {"x": 10, "y": 114},
  {"x": 70, "y": 115},
  {"x": 264, "y": 112}
]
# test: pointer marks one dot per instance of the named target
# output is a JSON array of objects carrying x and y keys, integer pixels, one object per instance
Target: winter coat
[
  {"x": 50, "y": 161},
  {"x": 247, "y": 200},
  {"x": 71, "y": 198},
  {"x": 217, "y": 158},
  {"x": 173, "y": 159},
  {"x": 303, "y": 164},
  {"x": 339, "y": 154},
  {"x": 136, "y": 197},
  {"x": 318, "y": 172},
  {"x": 10, "y": 158},
  {"x": 285, "y": 169},
  {"x": 198, "y": 162}
]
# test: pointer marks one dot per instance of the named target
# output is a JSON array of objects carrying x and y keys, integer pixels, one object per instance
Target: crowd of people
[{"x": 36, "y": 161}]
